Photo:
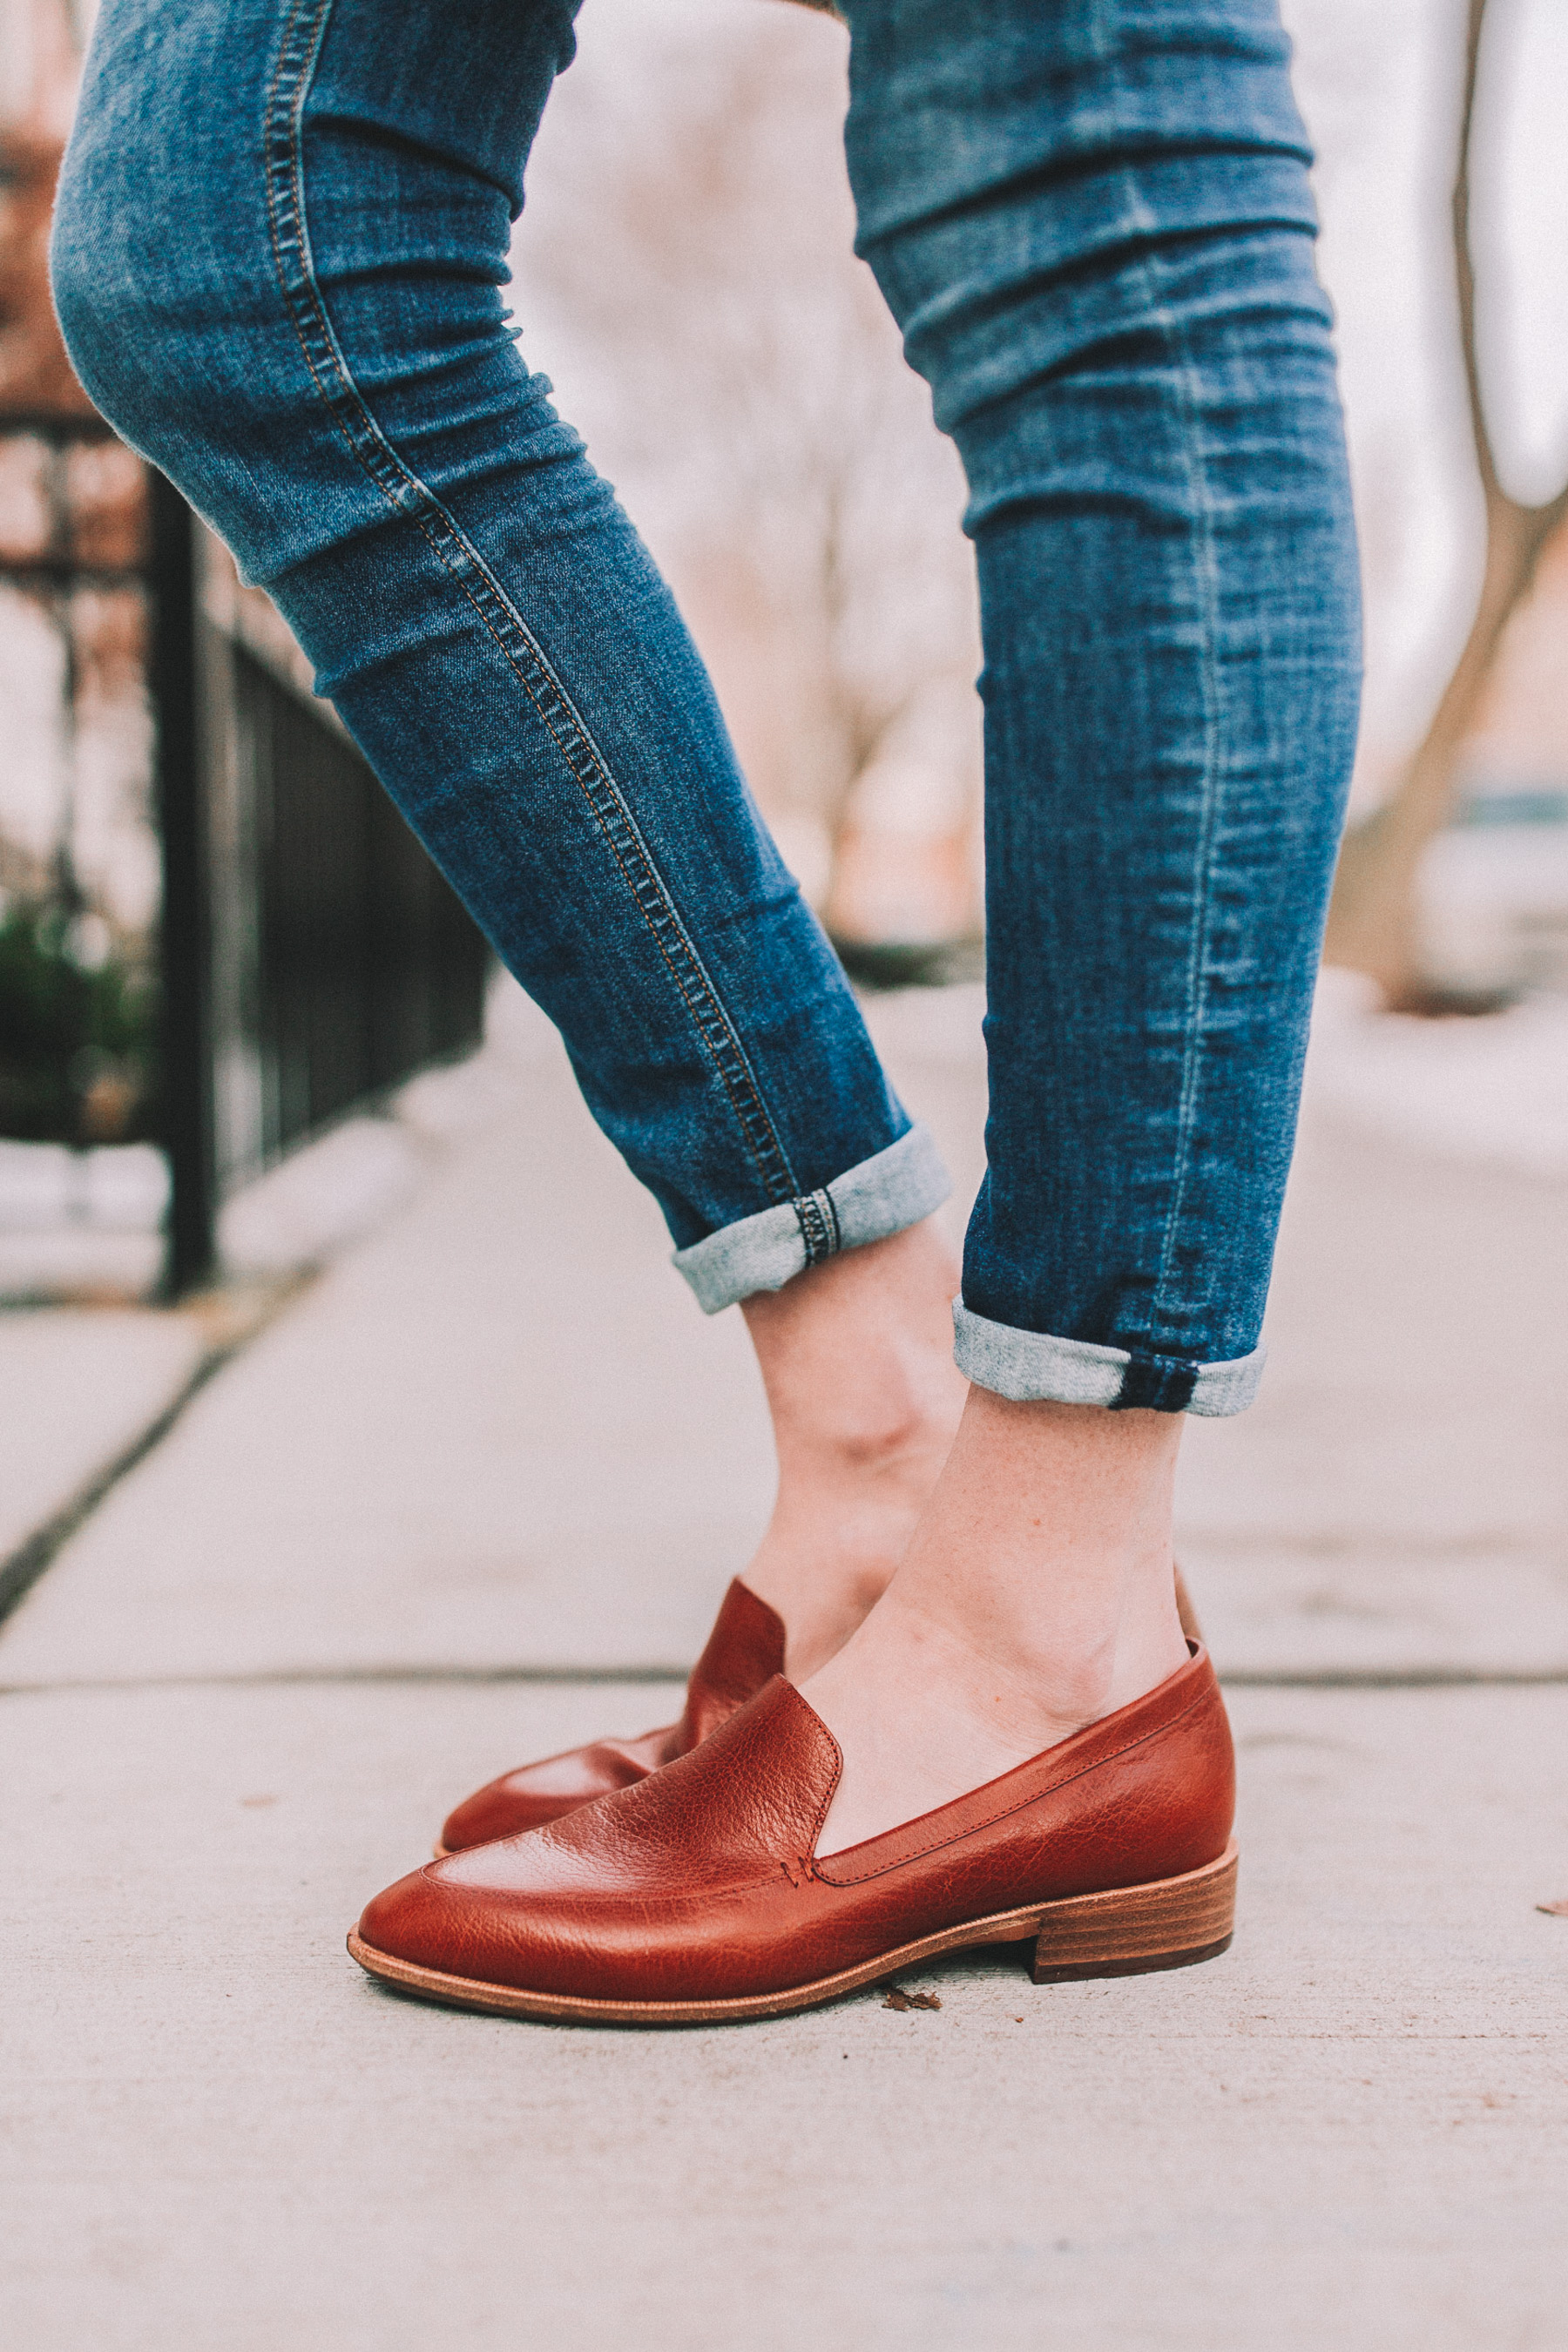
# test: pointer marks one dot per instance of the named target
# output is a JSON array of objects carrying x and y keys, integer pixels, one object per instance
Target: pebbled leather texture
[
  {"x": 700, "y": 1882},
  {"x": 744, "y": 1650}
]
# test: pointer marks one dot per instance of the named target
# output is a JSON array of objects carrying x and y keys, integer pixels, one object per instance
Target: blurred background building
[{"x": 684, "y": 272}]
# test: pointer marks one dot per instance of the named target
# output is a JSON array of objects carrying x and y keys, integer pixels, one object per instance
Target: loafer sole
[{"x": 1172, "y": 1923}]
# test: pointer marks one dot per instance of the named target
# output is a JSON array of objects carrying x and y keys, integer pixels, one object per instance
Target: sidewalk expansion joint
[
  {"x": 1414, "y": 1678},
  {"x": 294, "y": 1677},
  {"x": 230, "y": 1317},
  {"x": 1376, "y": 1678}
]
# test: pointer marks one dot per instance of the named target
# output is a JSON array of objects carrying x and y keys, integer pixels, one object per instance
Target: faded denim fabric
[
  {"x": 279, "y": 248},
  {"x": 1093, "y": 222},
  {"x": 279, "y": 254}
]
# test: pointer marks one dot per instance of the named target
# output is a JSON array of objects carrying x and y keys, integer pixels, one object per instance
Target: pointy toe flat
[{"x": 696, "y": 1895}]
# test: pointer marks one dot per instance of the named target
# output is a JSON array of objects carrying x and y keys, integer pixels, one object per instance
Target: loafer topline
[
  {"x": 744, "y": 1650},
  {"x": 696, "y": 1895}
]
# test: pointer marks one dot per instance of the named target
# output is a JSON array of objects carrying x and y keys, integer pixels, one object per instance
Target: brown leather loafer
[
  {"x": 695, "y": 1895},
  {"x": 745, "y": 1650}
]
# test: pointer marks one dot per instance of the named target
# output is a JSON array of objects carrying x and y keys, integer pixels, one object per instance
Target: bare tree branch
[
  {"x": 1464, "y": 259},
  {"x": 1373, "y": 921}
]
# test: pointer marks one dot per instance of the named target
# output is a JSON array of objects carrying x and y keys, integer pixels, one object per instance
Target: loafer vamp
[{"x": 654, "y": 1883}]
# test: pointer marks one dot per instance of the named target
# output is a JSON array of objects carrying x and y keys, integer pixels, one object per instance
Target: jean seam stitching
[
  {"x": 819, "y": 1227},
  {"x": 1176, "y": 344},
  {"x": 1196, "y": 990},
  {"x": 285, "y": 96}
]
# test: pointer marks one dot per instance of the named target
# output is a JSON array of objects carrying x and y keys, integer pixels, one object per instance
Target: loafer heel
[{"x": 1128, "y": 1930}]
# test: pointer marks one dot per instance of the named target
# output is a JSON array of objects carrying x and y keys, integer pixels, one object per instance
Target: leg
[
  {"x": 856, "y": 1359},
  {"x": 278, "y": 255},
  {"x": 289, "y": 298},
  {"x": 1092, "y": 220},
  {"x": 1131, "y": 352}
]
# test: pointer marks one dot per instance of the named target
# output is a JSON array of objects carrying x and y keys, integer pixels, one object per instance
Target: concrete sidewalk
[{"x": 491, "y": 1469}]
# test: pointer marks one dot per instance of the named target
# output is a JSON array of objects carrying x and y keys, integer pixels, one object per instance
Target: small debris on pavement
[
  {"x": 1558, "y": 1910},
  {"x": 899, "y": 1999}
]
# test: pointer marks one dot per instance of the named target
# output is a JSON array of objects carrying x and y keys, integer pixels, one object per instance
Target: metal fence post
[{"x": 186, "y": 943}]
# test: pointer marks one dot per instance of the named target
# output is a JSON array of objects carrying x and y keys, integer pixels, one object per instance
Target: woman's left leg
[{"x": 279, "y": 253}]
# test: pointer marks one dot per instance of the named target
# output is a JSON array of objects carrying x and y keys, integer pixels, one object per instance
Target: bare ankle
[
  {"x": 856, "y": 1359},
  {"x": 1036, "y": 1596},
  {"x": 925, "y": 1710},
  {"x": 858, "y": 1353},
  {"x": 832, "y": 1546}
]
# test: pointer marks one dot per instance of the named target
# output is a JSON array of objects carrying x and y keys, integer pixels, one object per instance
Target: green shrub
[{"x": 78, "y": 1031}]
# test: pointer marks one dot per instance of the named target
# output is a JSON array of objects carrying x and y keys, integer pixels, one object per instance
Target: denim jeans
[{"x": 278, "y": 253}]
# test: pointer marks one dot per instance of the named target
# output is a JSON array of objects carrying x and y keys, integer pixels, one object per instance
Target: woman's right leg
[
  {"x": 282, "y": 233},
  {"x": 1093, "y": 222}
]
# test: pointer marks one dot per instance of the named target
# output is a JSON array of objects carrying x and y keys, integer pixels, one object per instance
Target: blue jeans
[{"x": 281, "y": 237}]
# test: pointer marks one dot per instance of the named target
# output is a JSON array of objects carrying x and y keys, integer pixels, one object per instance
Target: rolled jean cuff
[
  {"x": 1029, "y": 1366},
  {"x": 879, "y": 1196}
]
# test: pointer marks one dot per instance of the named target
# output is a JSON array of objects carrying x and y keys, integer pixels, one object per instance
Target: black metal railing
[
  {"x": 79, "y": 1042},
  {"x": 366, "y": 964},
  {"x": 309, "y": 956},
  {"x": 313, "y": 956}
]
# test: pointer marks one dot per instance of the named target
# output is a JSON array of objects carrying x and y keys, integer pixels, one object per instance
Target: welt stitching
[
  {"x": 411, "y": 498},
  {"x": 1005, "y": 1812}
]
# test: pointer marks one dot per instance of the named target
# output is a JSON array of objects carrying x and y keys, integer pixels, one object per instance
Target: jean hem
[
  {"x": 1032, "y": 1367},
  {"x": 892, "y": 1190}
]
